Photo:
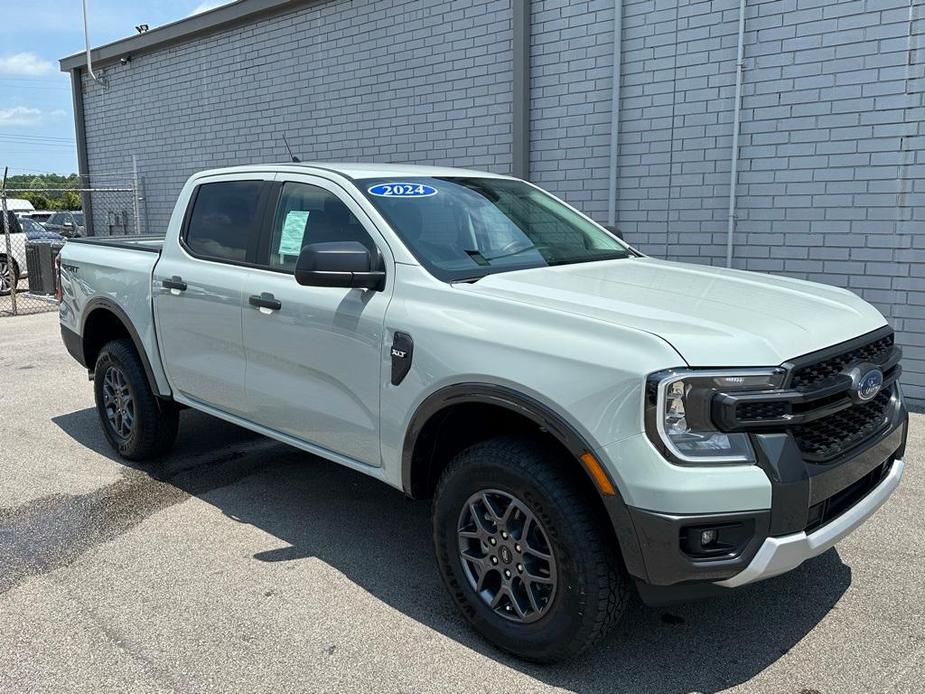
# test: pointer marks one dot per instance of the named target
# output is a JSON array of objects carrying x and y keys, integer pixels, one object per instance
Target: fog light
[{"x": 707, "y": 537}]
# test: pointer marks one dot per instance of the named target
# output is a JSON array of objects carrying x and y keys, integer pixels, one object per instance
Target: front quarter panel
[{"x": 588, "y": 372}]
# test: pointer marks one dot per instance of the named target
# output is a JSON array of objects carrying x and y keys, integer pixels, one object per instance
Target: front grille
[
  {"x": 759, "y": 411},
  {"x": 807, "y": 377},
  {"x": 831, "y": 436}
]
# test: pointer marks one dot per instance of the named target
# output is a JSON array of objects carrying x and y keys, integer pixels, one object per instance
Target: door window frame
[
  {"x": 262, "y": 255},
  {"x": 251, "y": 250}
]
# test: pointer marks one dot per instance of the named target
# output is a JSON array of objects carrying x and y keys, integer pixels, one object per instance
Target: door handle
[
  {"x": 267, "y": 301},
  {"x": 175, "y": 283}
]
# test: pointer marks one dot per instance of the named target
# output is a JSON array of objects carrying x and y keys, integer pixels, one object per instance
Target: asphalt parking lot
[{"x": 242, "y": 565}]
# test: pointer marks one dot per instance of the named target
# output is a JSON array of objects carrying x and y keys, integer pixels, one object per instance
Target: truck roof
[{"x": 359, "y": 170}]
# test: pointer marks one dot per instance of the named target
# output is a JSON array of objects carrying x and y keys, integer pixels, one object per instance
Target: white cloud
[
  {"x": 21, "y": 115},
  {"x": 208, "y": 5},
  {"x": 24, "y": 64}
]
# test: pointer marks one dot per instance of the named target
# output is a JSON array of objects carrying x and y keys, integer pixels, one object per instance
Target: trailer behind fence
[{"x": 30, "y": 241}]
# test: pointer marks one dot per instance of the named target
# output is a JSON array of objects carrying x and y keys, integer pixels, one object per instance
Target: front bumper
[
  {"x": 777, "y": 555},
  {"x": 812, "y": 507}
]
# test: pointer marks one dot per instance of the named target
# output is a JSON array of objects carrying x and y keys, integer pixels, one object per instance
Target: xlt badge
[{"x": 402, "y": 352}]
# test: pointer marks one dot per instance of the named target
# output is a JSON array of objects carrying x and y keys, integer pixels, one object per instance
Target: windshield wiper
[{"x": 531, "y": 247}]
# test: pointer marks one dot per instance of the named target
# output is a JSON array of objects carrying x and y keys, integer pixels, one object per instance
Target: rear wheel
[
  {"x": 136, "y": 423},
  {"x": 522, "y": 553},
  {"x": 9, "y": 275}
]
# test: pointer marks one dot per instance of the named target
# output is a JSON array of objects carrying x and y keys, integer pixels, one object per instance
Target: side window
[
  {"x": 309, "y": 214},
  {"x": 55, "y": 218},
  {"x": 224, "y": 219}
]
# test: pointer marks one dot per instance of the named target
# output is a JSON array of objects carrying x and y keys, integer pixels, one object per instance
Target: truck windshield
[{"x": 466, "y": 228}]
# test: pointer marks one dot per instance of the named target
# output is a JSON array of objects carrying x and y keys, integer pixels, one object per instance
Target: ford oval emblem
[{"x": 869, "y": 384}]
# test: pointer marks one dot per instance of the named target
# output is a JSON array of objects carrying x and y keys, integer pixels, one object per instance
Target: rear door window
[{"x": 225, "y": 220}]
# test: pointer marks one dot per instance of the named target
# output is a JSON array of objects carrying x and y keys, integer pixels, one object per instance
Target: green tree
[
  {"x": 39, "y": 200},
  {"x": 71, "y": 201}
]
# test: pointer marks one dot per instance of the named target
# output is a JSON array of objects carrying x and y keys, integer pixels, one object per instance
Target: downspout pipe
[
  {"x": 615, "y": 113},
  {"x": 736, "y": 118},
  {"x": 87, "y": 44}
]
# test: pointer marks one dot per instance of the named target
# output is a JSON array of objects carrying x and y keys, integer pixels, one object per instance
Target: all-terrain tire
[
  {"x": 591, "y": 587},
  {"x": 154, "y": 422}
]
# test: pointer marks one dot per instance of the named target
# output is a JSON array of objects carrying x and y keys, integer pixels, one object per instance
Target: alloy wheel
[
  {"x": 118, "y": 402},
  {"x": 6, "y": 275},
  {"x": 506, "y": 556}
]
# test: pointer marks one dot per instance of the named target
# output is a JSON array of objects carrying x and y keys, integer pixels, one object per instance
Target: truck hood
[{"x": 711, "y": 316}]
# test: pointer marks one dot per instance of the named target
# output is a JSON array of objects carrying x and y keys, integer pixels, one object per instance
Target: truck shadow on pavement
[{"x": 381, "y": 541}]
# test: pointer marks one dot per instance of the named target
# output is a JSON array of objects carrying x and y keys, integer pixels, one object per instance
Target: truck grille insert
[
  {"x": 807, "y": 377},
  {"x": 837, "y": 504},
  {"x": 759, "y": 411},
  {"x": 831, "y": 436}
]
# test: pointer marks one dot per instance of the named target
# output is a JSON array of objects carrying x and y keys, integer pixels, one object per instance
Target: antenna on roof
[{"x": 291, "y": 155}]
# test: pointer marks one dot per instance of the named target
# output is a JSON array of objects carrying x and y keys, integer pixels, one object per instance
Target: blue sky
[{"x": 36, "y": 118}]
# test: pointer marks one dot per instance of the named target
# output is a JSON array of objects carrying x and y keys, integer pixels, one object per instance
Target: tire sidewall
[
  {"x": 552, "y": 635},
  {"x": 125, "y": 446}
]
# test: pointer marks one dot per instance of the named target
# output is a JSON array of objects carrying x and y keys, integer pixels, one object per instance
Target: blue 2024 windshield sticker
[{"x": 402, "y": 190}]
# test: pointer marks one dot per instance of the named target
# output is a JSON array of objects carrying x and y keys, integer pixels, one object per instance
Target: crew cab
[{"x": 585, "y": 419}]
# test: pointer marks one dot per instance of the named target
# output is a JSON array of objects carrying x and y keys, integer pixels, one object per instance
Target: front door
[
  {"x": 198, "y": 292},
  {"x": 314, "y": 354}
]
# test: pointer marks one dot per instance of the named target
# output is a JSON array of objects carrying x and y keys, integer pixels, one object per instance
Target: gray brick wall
[
  {"x": 832, "y": 159},
  {"x": 386, "y": 80},
  {"x": 571, "y": 70}
]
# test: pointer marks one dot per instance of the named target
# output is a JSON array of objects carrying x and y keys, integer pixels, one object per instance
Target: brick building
[{"x": 830, "y": 182}]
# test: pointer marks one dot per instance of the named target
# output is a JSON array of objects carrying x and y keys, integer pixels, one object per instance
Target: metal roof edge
[{"x": 204, "y": 23}]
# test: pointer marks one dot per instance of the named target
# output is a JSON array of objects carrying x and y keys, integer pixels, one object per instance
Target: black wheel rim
[
  {"x": 118, "y": 403},
  {"x": 506, "y": 556}
]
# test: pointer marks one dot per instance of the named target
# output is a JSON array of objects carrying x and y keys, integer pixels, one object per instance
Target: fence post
[
  {"x": 135, "y": 194},
  {"x": 9, "y": 248}
]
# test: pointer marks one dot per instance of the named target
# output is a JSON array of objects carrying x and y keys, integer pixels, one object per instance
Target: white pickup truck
[{"x": 585, "y": 419}]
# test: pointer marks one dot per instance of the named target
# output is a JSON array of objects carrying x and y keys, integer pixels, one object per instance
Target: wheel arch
[
  {"x": 103, "y": 321},
  {"x": 507, "y": 407}
]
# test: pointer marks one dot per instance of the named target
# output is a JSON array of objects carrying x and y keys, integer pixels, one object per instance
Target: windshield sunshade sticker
[{"x": 402, "y": 190}]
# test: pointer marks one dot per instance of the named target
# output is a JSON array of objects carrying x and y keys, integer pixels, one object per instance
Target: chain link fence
[{"x": 30, "y": 238}]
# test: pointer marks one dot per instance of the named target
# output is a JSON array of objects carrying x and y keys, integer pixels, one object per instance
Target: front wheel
[
  {"x": 136, "y": 423},
  {"x": 522, "y": 552}
]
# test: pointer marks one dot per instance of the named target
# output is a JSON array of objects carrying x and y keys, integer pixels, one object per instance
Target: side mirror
[{"x": 339, "y": 264}]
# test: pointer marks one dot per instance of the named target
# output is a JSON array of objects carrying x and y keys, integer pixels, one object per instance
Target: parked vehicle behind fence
[
  {"x": 68, "y": 224},
  {"x": 586, "y": 419}
]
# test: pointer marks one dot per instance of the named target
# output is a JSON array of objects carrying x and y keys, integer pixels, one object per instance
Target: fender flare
[
  {"x": 547, "y": 419},
  {"x": 104, "y": 304}
]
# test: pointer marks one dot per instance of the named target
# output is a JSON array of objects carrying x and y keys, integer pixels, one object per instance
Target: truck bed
[
  {"x": 151, "y": 243},
  {"x": 113, "y": 272}
]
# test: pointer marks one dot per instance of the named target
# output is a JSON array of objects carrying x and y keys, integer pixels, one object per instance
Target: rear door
[
  {"x": 198, "y": 285},
  {"x": 313, "y": 361}
]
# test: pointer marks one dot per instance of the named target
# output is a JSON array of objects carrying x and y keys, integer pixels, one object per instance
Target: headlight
[{"x": 679, "y": 411}]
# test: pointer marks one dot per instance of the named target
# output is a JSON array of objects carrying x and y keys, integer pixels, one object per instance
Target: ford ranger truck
[{"x": 585, "y": 419}]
